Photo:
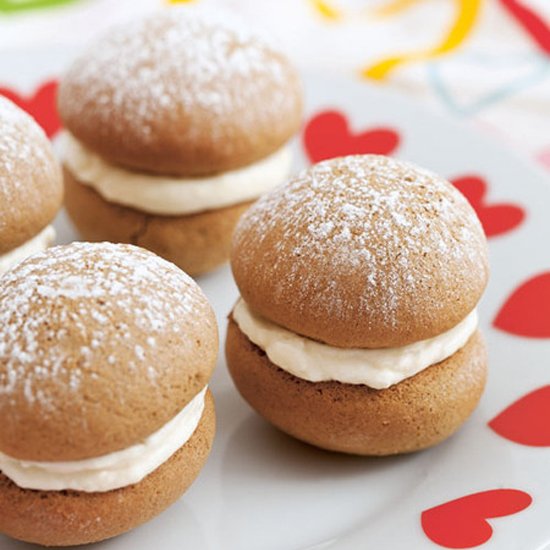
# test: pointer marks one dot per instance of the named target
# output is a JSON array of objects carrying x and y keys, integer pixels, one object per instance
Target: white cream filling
[
  {"x": 111, "y": 471},
  {"x": 168, "y": 196},
  {"x": 376, "y": 368},
  {"x": 37, "y": 244}
]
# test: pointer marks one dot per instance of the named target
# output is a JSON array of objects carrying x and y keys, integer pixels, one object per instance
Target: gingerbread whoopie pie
[
  {"x": 31, "y": 186},
  {"x": 175, "y": 124},
  {"x": 356, "y": 330},
  {"x": 106, "y": 351}
]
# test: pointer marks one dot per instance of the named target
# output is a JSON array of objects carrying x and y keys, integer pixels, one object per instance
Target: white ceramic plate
[{"x": 261, "y": 490}]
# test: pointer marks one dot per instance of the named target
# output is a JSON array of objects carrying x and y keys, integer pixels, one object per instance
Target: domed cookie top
[
  {"x": 362, "y": 251},
  {"x": 184, "y": 91},
  {"x": 31, "y": 187},
  {"x": 100, "y": 346}
]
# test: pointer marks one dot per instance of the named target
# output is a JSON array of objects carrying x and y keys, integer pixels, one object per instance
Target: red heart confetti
[
  {"x": 462, "y": 523},
  {"x": 544, "y": 157},
  {"x": 526, "y": 420},
  {"x": 496, "y": 219},
  {"x": 527, "y": 311},
  {"x": 41, "y": 105},
  {"x": 327, "y": 135}
]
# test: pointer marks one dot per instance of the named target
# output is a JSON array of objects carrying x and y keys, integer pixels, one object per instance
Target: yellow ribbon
[
  {"x": 466, "y": 16},
  {"x": 329, "y": 10},
  {"x": 326, "y": 9},
  {"x": 467, "y": 12},
  {"x": 393, "y": 8}
]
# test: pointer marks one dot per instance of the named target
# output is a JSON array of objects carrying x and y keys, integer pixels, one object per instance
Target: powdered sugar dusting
[
  {"x": 20, "y": 150},
  {"x": 67, "y": 310},
  {"x": 385, "y": 228},
  {"x": 182, "y": 59}
]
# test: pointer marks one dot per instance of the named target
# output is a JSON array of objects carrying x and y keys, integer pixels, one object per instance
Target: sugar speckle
[
  {"x": 23, "y": 147},
  {"x": 188, "y": 59},
  {"x": 140, "y": 354},
  {"x": 386, "y": 228},
  {"x": 72, "y": 307}
]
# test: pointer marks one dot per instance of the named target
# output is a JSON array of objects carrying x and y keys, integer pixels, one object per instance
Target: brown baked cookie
[
  {"x": 183, "y": 91},
  {"x": 31, "y": 186},
  {"x": 196, "y": 243},
  {"x": 186, "y": 102},
  {"x": 102, "y": 347},
  {"x": 357, "y": 329},
  {"x": 42, "y": 517},
  {"x": 363, "y": 251},
  {"x": 417, "y": 413}
]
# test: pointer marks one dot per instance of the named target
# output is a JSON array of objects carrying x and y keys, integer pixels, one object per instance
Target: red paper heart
[
  {"x": 496, "y": 219},
  {"x": 462, "y": 523},
  {"x": 327, "y": 135},
  {"x": 527, "y": 311},
  {"x": 41, "y": 105},
  {"x": 526, "y": 420}
]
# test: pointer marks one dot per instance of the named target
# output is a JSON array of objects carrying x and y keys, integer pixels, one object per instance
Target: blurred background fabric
[{"x": 486, "y": 62}]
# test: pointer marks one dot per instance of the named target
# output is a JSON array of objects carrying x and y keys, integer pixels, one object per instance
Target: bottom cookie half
[
  {"x": 197, "y": 243},
  {"x": 66, "y": 518},
  {"x": 417, "y": 413}
]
